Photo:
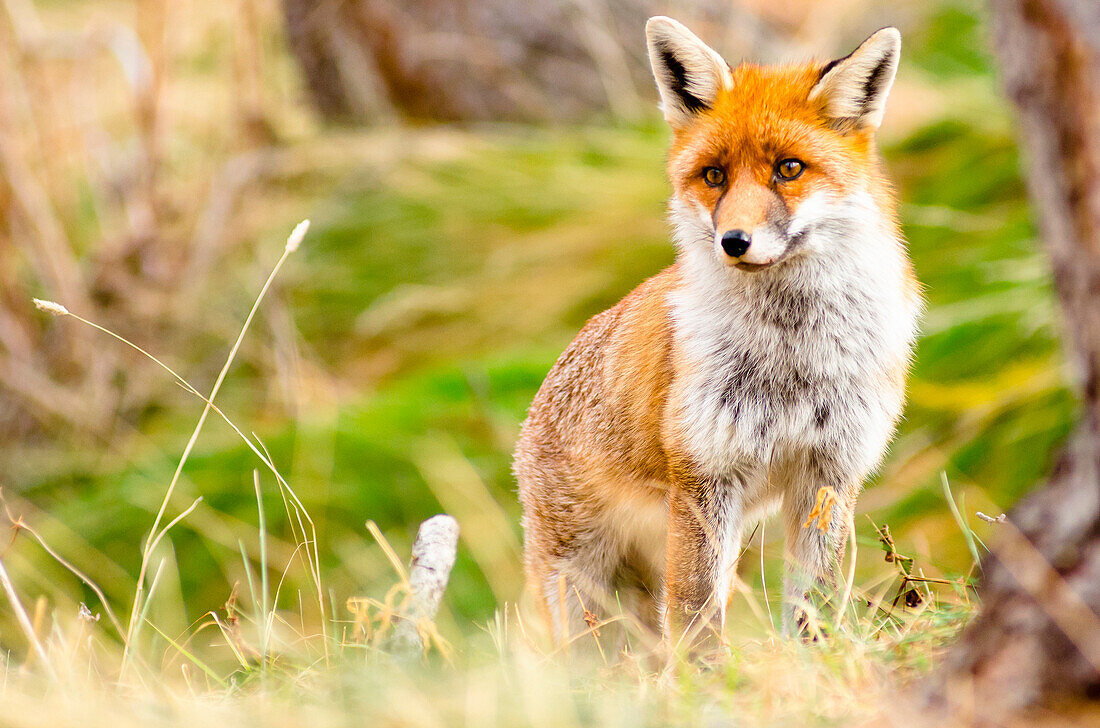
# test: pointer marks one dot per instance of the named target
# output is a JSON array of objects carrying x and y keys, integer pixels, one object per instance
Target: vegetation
[{"x": 386, "y": 377}]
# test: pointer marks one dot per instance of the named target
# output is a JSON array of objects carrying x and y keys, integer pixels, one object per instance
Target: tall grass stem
[
  {"x": 295, "y": 237},
  {"x": 25, "y": 622},
  {"x": 968, "y": 534}
]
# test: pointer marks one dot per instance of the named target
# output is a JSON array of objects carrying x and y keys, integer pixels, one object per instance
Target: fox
[{"x": 763, "y": 371}]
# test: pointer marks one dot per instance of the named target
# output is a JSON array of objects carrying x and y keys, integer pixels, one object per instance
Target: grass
[
  {"x": 440, "y": 366},
  {"x": 293, "y": 667},
  {"x": 445, "y": 377},
  {"x": 762, "y": 682}
]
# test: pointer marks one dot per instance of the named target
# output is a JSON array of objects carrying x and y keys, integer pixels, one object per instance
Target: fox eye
[
  {"x": 714, "y": 176},
  {"x": 789, "y": 169}
]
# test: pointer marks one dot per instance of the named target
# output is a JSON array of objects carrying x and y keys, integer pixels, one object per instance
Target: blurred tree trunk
[
  {"x": 495, "y": 60},
  {"x": 1037, "y": 639}
]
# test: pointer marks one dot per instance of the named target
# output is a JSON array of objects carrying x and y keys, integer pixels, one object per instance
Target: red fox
[{"x": 767, "y": 363}]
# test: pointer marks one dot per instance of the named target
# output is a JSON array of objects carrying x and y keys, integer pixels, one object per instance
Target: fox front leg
[
  {"x": 704, "y": 536},
  {"x": 817, "y": 519}
]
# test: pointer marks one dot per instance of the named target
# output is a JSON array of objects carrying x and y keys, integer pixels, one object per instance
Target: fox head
[{"x": 769, "y": 164}]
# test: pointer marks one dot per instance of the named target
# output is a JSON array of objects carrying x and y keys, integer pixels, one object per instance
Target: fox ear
[
  {"x": 689, "y": 74},
  {"x": 854, "y": 88}
]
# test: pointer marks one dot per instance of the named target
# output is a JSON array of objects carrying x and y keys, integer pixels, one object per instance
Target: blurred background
[{"x": 483, "y": 176}]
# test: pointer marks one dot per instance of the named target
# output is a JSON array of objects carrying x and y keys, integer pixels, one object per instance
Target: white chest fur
[{"x": 798, "y": 356}]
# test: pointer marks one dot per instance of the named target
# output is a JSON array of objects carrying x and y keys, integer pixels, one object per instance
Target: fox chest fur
[{"x": 809, "y": 359}]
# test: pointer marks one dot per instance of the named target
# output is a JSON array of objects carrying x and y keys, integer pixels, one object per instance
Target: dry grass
[{"x": 118, "y": 198}]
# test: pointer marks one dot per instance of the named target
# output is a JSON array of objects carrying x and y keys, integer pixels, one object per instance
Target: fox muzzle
[{"x": 755, "y": 250}]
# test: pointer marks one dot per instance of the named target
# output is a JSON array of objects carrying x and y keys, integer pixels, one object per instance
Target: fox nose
[{"x": 736, "y": 242}]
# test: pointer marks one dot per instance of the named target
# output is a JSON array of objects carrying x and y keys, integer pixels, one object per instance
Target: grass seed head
[
  {"x": 296, "y": 236},
  {"x": 50, "y": 307}
]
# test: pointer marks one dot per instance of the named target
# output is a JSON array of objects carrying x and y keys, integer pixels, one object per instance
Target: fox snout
[
  {"x": 750, "y": 225},
  {"x": 752, "y": 250}
]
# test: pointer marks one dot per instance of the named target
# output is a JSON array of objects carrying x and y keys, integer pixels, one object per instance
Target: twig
[{"x": 433, "y": 557}]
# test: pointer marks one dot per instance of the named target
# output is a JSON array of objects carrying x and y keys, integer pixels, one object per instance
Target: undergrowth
[{"x": 322, "y": 658}]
